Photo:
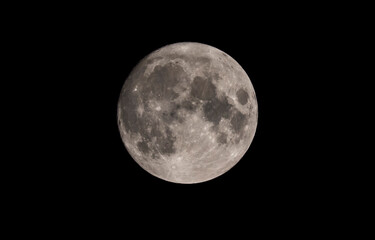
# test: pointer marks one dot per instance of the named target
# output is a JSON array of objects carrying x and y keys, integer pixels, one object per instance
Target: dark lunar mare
[
  {"x": 242, "y": 96},
  {"x": 215, "y": 108},
  {"x": 160, "y": 102},
  {"x": 160, "y": 83},
  {"x": 222, "y": 138},
  {"x": 158, "y": 86},
  {"x": 203, "y": 88}
]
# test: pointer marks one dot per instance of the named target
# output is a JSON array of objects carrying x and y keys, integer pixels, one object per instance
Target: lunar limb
[{"x": 187, "y": 113}]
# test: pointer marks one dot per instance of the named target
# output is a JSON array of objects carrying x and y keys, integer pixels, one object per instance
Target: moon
[{"x": 187, "y": 113}]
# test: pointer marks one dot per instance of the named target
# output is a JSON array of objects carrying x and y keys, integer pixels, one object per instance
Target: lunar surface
[{"x": 187, "y": 113}]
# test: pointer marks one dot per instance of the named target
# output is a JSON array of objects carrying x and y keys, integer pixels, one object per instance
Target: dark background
[{"x": 88, "y": 52}]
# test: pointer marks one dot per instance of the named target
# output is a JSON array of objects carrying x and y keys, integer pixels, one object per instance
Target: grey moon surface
[{"x": 187, "y": 113}]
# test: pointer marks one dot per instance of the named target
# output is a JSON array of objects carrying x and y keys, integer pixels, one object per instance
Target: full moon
[{"x": 187, "y": 113}]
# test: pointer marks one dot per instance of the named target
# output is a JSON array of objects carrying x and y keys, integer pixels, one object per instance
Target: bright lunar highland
[{"x": 187, "y": 113}]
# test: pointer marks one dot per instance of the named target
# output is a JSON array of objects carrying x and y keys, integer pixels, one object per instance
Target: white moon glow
[{"x": 187, "y": 113}]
